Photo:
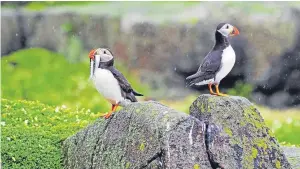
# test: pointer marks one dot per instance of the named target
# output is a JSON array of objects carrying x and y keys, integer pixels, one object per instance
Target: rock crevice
[{"x": 213, "y": 163}]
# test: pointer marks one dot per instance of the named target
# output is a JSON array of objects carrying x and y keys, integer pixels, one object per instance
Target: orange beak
[
  {"x": 92, "y": 54},
  {"x": 235, "y": 32}
]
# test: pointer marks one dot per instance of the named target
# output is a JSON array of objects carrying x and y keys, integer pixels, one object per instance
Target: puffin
[
  {"x": 218, "y": 62},
  {"x": 110, "y": 82}
]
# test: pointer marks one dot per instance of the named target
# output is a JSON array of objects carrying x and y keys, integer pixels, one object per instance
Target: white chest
[
  {"x": 107, "y": 85},
  {"x": 227, "y": 63}
]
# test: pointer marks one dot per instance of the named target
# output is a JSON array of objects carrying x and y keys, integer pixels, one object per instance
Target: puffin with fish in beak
[
  {"x": 218, "y": 62},
  {"x": 109, "y": 81}
]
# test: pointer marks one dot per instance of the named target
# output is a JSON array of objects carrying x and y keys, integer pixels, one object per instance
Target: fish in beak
[{"x": 92, "y": 63}]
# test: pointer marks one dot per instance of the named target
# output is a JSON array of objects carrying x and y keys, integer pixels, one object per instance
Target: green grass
[
  {"x": 32, "y": 133},
  {"x": 38, "y": 74},
  {"x": 285, "y": 124}
]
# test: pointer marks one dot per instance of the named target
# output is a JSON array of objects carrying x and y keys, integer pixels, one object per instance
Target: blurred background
[{"x": 45, "y": 46}]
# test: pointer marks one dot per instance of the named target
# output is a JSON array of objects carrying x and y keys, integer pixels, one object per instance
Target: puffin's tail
[
  {"x": 197, "y": 77},
  {"x": 136, "y": 93}
]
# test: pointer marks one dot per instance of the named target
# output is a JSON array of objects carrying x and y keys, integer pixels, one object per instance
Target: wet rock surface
[
  {"x": 237, "y": 136},
  {"x": 220, "y": 132},
  {"x": 293, "y": 155}
]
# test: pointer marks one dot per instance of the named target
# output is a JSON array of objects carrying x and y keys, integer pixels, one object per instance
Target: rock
[
  {"x": 224, "y": 132},
  {"x": 279, "y": 99},
  {"x": 11, "y": 33},
  {"x": 293, "y": 156},
  {"x": 142, "y": 135},
  {"x": 236, "y": 135}
]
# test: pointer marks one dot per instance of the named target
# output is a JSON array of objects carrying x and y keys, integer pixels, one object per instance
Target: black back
[
  {"x": 212, "y": 62},
  {"x": 126, "y": 89}
]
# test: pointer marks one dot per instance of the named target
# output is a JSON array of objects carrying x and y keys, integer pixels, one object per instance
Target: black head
[{"x": 220, "y": 26}]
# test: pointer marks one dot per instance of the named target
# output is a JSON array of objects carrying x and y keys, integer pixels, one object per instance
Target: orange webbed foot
[
  {"x": 222, "y": 94},
  {"x": 218, "y": 92},
  {"x": 108, "y": 115}
]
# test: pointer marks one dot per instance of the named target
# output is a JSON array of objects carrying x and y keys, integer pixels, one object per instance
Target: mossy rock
[
  {"x": 236, "y": 134},
  {"x": 141, "y": 135}
]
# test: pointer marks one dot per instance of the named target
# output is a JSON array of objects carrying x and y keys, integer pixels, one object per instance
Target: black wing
[
  {"x": 126, "y": 88},
  {"x": 210, "y": 65}
]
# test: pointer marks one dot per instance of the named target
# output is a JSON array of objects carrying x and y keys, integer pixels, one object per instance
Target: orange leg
[
  {"x": 113, "y": 108},
  {"x": 218, "y": 92},
  {"x": 211, "y": 90}
]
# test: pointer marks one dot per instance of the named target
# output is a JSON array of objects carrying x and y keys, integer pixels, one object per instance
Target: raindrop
[
  {"x": 175, "y": 69},
  {"x": 17, "y": 34}
]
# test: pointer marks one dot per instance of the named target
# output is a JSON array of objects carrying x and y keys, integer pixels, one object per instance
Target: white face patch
[{"x": 226, "y": 30}]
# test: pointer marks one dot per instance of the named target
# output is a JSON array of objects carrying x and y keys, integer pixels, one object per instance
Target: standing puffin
[
  {"x": 109, "y": 81},
  {"x": 218, "y": 62}
]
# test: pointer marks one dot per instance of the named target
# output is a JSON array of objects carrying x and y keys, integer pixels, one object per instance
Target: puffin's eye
[
  {"x": 104, "y": 52},
  {"x": 227, "y": 27}
]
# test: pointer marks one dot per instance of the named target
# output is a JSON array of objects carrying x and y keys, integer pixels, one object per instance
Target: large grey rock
[
  {"x": 225, "y": 132},
  {"x": 142, "y": 135},
  {"x": 293, "y": 155},
  {"x": 236, "y": 135}
]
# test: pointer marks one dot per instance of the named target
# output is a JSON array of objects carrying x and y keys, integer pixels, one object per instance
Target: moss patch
[
  {"x": 228, "y": 131},
  {"x": 278, "y": 165},
  {"x": 254, "y": 152},
  {"x": 142, "y": 146},
  {"x": 261, "y": 143},
  {"x": 252, "y": 117},
  {"x": 127, "y": 165},
  {"x": 32, "y": 132},
  {"x": 196, "y": 166}
]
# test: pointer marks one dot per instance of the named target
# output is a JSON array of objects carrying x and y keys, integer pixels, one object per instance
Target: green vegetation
[
  {"x": 285, "y": 124},
  {"x": 38, "y": 74},
  {"x": 32, "y": 132},
  {"x": 42, "y": 5},
  {"x": 241, "y": 89}
]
